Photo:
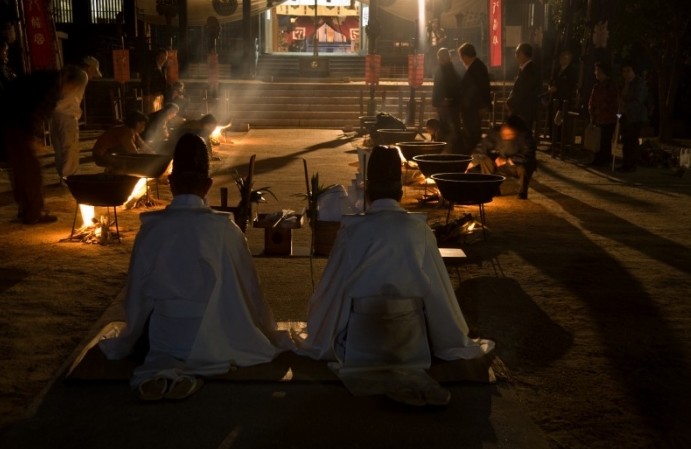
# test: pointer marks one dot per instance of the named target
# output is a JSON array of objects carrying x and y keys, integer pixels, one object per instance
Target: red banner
[
  {"x": 172, "y": 69},
  {"x": 40, "y": 34},
  {"x": 495, "y": 33},
  {"x": 121, "y": 65},
  {"x": 416, "y": 70},
  {"x": 372, "y": 69}
]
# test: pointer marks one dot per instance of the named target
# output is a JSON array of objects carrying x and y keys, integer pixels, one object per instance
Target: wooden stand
[{"x": 278, "y": 237}]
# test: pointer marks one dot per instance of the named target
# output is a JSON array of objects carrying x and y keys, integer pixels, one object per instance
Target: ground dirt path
[{"x": 584, "y": 286}]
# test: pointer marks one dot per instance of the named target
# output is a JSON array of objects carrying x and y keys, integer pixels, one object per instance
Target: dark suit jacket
[
  {"x": 446, "y": 90},
  {"x": 523, "y": 99},
  {"x": 565, "y": 81},
  {"x": 475, "y": 88}
]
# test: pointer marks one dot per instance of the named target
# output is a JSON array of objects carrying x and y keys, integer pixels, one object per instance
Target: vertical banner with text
[
  {"x": 372, "y": 69},
  {"x": 495, "y": 33},
  {"x": 40, "y": 34}
]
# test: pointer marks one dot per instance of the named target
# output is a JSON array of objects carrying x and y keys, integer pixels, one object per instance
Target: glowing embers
[
  {"x": 94, "y": 229},
  {"x": 218, "y": 135},
  {"x": 99, "y": 190},
  {"x": 141, "y": 196}
]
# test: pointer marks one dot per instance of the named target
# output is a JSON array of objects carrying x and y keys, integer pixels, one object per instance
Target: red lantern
[
  {"x": 121, "y": 65},
  {"x": 172, "y": 69},
  {"x": 372, "y": 69},
  {"x": 416, "y": 70}
]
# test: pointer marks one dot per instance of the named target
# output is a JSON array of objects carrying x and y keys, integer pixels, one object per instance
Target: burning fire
[
  {"x": 218, "y": 133},
  {"x": 138, "y": 192},
  {"x": 88, "y": 213}
]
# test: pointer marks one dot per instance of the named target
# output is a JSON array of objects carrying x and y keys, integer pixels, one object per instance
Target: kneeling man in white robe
[
  {"x": 385, "y": 303},
  {"x": 193, "y": 289}
]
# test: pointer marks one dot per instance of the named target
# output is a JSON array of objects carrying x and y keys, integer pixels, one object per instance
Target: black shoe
[{"x": 522, "y": 196}]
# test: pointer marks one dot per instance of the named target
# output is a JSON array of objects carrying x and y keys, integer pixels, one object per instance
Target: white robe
[
  {"x": 387, "y": 252},
  {"x": 191, "y": 271}
]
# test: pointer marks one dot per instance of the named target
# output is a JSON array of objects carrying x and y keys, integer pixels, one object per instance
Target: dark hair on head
[
  {"x": 135, "y": 117},
  {"x": 604, "y": 67},
  {"x": 161, "y": 51},
  {"x": 525, "y": 48},
  {"x": 190, "y": 166},
  {"x": 208, "y": 119},
  {"x": 171, "y": 106},
  {"x": 384, "y": 173},
  {"x": 433, "y": 123},
  {"x": 467, "y": 49},
  {"x": 629, "y": 63},
  {"x": 516, "y": 123}
]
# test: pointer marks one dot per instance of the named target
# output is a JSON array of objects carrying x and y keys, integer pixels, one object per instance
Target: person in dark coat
[
  {"x": 562, "y": 88},
  {"x": 155, "y": 82},
  {"x": 602, "y": 106},
  {"x": 523, "y": 98},
  {"x": 23, "y": 110},
  {"x": 476, "y": 97},
  {"x": 634, "y": 113},
  {"x": 446, "y": 97}
]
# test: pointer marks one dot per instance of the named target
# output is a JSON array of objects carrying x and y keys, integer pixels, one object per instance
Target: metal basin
[
  {"x": 429, "y": 164},
  {"x": 468, "y": 188},
  {"x": 142, "y": 165},
  {"x": 420, "y": 147},
  {"x": 101, "y": 189},
  {"x": 391, "y": 136},
  {"x": 368, "y": 123}
]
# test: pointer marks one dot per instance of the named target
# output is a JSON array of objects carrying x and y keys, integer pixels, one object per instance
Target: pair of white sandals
[{"x": 160, "y": 387}]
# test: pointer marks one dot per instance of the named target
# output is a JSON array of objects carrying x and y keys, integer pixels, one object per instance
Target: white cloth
[
  {"x": 387, "y": 252},
  {"x": 191, "y": 271}
]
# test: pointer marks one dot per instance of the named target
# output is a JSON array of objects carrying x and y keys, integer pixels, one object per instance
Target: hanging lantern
[
  {"x": 121, "y": 65},
  {"x": 416, "y": 70},
  {"x": 172, "y": 68},
  {"x": 372, "y": 69}
]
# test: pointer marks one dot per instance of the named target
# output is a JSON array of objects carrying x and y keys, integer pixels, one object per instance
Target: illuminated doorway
[{"x": 336, "y": 26}]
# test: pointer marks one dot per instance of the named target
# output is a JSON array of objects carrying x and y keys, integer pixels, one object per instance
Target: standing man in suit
[
  {"x": 446, "y": 97},
  {"x": 523, "y": 98},
  {"x": 476, "y": 98},
  {"x": 562, "y": 89}
]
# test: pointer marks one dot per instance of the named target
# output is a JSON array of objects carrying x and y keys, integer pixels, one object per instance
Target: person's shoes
[
  {"x": 408, "y": 396},
  {"x": 522, "y": 196},
  {"x": 437, "y": 396},
  {"x": 153, "y": 389},
  {"x": 43, "y": 218},
  {"x": 183, "y": 387}
]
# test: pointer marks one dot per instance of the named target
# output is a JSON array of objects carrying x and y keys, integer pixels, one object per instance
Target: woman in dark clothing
[
  {"x": 634, "y": 114},
  {"x": 602, "y": 106}
]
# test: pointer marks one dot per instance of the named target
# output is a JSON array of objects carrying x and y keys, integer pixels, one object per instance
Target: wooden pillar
[{"x": 247, "y": 41}]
